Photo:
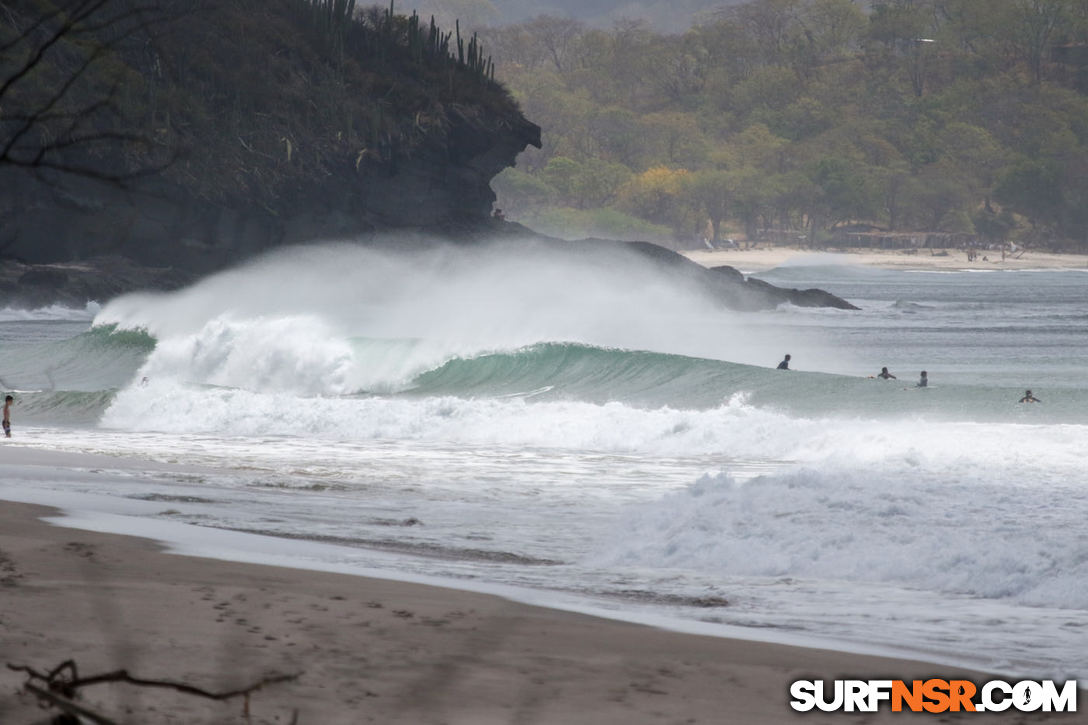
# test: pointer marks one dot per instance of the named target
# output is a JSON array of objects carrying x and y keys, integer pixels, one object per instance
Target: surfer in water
[
  {"x": 7, "y": 416},
  {"x": 923, "y": 381},
  {"x": 885, "y": 375},
  {"x": 1028, "y": 398},
  {"x": 785, "y": 364}
]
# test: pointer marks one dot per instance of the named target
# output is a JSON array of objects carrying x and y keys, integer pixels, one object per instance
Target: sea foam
[
  {"x": 986, "y": 535},
  {"x": 51, "y": 313}
]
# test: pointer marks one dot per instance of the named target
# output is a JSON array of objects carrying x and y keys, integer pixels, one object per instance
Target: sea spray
[
  {"x": 295, "y": 354},
  {"x": 471, "y": 300},
  {"x": 51, "y": 313}
]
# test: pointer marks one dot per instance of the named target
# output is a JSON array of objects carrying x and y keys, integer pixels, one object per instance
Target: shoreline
[
  {"x": 82, "y": 512},
  {"x": 387, "y": 650},
  {"x": 393, "y": 651},
  {"x": 765, "y": 258}
]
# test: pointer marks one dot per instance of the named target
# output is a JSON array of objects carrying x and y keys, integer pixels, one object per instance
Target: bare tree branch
[
  {"x": 62, "y": 684},
  {"x": 67, "y": 706},
  {"x": 57, "y": 131},
  {"x": 66, "y": 28}
]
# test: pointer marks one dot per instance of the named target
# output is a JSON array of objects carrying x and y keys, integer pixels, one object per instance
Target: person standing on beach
[
  {"x": 785, "y": 364},
  {"x": 7, "y": 416}
]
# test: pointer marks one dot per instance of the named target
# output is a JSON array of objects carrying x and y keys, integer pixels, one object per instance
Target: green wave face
[
  {"x": 108, "y": 336},
  {"x": 72, "y": 381},
  {"x": 64, "y": 407},
  {"x": 575, "y": 371},
  {"x": 572, "y": 371}
]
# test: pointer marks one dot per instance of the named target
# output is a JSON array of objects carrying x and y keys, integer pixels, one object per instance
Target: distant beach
[{"x": 764, "y": 258}]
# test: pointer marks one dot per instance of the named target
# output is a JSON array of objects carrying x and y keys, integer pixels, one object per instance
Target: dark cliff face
[
  {"x": 284, "y": 136},
  {"x": 442, "y": 187},
  {"x": 279, "y": 130}
]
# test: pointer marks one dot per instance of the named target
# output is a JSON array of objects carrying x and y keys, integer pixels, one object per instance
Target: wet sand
[{"x": 371, "y": 650}]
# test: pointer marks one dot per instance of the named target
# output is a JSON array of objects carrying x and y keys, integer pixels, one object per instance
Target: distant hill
[{"x": 666, "y": 16}]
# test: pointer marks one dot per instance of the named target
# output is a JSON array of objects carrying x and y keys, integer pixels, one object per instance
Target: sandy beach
[
  {"x": 363, "y": 649},
  {"x": 764, "y": 258}
]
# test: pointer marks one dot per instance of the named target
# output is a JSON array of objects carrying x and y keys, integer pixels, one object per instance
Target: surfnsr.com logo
[{"x": 933, "y": 695}]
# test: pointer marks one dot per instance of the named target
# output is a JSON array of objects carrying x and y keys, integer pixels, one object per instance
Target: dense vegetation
[
  {"x": 962, "y": 116},
  {"x": 233, "y": 101}
]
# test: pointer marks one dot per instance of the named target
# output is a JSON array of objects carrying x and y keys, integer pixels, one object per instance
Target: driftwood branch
[
  {"x": 67, "y": 706},
  {"x": 61, "y": 685}
]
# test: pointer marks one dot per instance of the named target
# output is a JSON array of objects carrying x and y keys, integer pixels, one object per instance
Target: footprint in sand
[
  {"x": 9, "y": 575},
  {"x": 87, "y": 551}
]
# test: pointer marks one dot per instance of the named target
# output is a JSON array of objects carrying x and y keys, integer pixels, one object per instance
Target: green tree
[
  {"x": 519, "y": 193},
  {"x": 658, "y": 196},
  {"x": 600, "y": 181},
  {"x": 975, "y": 156},
  {"x": 679, "y": 70},
  {"x": 772, "y": 25},
  {"x": 730, "y": 48},
  {"x": 556, "y": 37},
  {"x": 828, "y": 30},
  {"x": 938, "y": 200},
  {"x": 590, "y": 183},
  {"x": 711, "y": 192},
  {"x": 755, "y": 196},
  {"x": 757, "y": 147},
  {"x": 845, "y": 193},
  {"x": 1033, "y": 189},
  {"x": 615, "y": 133},
  {"x": 767, "y": 90},
  {"x": 901, "y": 33},
  {"x": 973, "y": 32},
  {"x": 1074, "y": 184},
  {"x": 808, "y": 113},
  {"x": 994, "y": 226},
  {"x": 675, "y": 138},
  {"x": 607, "y": 223},
  {"x": 562, "y": 174},
  {"x": 1036, "y": 22}
]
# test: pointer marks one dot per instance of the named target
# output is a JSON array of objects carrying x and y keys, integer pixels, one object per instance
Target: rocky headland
[{"x": 275, "y": 124}]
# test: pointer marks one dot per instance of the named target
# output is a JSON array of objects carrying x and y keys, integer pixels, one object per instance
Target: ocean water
[{"x": 596, "y": 436}]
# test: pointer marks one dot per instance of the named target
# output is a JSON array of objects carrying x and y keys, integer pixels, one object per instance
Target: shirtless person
[
  {"x": 1028, "y": 398},
  {"x": 7, "y": 416},
  {"x": 886, "y": 375}
]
